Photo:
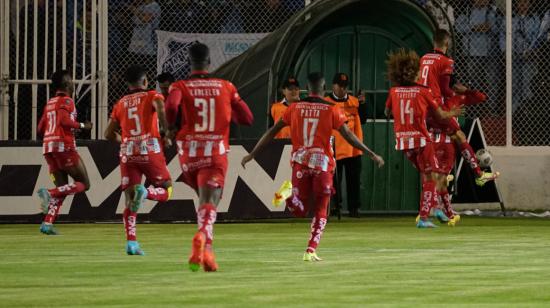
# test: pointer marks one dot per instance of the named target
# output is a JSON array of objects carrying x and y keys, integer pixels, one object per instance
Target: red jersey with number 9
[
  {"x": 409, "y": 106},
  {"x": 311, "y": 124},
  {"x": 433, "y": 66},
  {"x": 136, "y": 115},
  {"x": 207, "y": 106},
  {"x": 58, "y": 138}
]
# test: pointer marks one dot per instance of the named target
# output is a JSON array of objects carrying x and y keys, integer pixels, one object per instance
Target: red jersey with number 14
[
  {"x": 58, "y": 137},
  {"x": 409, "y": 106},
  {"x": 311, "y": 124},
  {"x": 433, "y": 66},
  {"x": 137, "y": 117},
  {"x": 208, "y": 107}
]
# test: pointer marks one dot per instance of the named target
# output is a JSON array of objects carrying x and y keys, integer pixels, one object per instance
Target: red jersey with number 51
[
  {"x": 208, "y": 106},
  {"x": 433, "y": 66},
  {"x": 137, "y": 117},
  {"x": 57, "y": 137},
  {"x": 312, "y": 121},
  {"x": 409, "y": 106}
]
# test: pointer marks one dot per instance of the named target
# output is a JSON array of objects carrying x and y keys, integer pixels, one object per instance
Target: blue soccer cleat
[
  {"x": 140, "y": 194},
  {"x": 133, "y": 249},
  {"x": 441, "y": 216},
  {"x": 48, "y": 229},
  {"x": 45, "y": 197},
  {"x": 425, "y": 224}
]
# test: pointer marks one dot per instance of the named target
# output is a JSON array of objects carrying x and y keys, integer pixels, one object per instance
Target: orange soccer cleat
[
  {"x": 209, "y": 261},
  {"x": 197, "y": 251}
]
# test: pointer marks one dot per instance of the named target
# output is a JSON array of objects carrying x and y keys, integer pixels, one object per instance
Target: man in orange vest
[
  {"x": 291, "y": 93},
  {"x": 347, "y": 157}
]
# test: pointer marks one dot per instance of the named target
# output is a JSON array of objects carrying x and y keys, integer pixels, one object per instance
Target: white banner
[{"x": 172, "y": 49}]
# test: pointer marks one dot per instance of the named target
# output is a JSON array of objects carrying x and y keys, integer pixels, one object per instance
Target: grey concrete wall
[{"x": 525, "y": 176}]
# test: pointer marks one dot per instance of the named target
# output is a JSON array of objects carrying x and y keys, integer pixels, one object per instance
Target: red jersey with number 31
[
  {"x": 137, "y": 117},
  {"x": 311, "y": 124},
  {"x": 56, "y": 137},
  {"x": 409, "y": 106},
  {"x": 208, "y": 105},
  {"x": 433, "y": 66}
]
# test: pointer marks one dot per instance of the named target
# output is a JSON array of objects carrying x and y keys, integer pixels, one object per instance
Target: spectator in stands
[
  {"x": 480, "y": 28},
  {"x": 143, "y": 45},
  {"x": 233, "y": 19},
  {"x": 273, "y": 15},
  {"x": 525, "y": 26},
  {"x": 442, "y": 12},
  {"x": 543, "y": 34},
  {"x": 182, "y": 16}
]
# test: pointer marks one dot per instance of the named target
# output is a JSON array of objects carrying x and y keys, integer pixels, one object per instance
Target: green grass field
[{"x": 371, "y": 261}]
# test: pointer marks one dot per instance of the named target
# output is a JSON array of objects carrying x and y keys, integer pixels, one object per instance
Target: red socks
[
  {"x": 206, "y": 216},
  {"x": 129, "y": 219},
  {"x": 65, "y": 190},
  {"x": 157, "y": 194},
  {"x": 53, "y": 209},
  {"x": 427, "y": 199},
  {"x": 470, "y": 157},
  {"x": 319, "y": 222},
  {"x": 446, "y": 200}
]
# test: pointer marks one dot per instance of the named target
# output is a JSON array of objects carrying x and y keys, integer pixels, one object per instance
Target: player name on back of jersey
[
  {"x": 200, "y": 92},
  {"x": 410, "y": 92}
]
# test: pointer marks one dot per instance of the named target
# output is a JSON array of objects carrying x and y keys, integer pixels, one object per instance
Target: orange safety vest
[
  {"x": 277, "y": 111},
  {"x": 351, "y": 110}
]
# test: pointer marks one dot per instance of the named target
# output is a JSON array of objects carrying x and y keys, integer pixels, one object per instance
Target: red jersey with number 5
[
  {"x": 208, "y": 107},
  {"x": 433, "y": 66},
  {"x": 311, "y": 124},
  {"x": 137, "y": 117},
  {"x": 58, "y": 136},
  {"x": 409, "y": 106}
]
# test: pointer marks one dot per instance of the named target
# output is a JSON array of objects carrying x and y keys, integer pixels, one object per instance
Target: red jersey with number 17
[
  {"x": 137, "y": 117},
  {"x": 409, "y": 106},
  {"x": 433, "y": 66},
  {"x": 58, "y": 137},
  {"x": 208, "y": 107},
  {"x": 311, "y": 124}
]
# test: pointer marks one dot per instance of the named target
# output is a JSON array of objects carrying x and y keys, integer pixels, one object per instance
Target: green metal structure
[{"x": 351, "y": 36}]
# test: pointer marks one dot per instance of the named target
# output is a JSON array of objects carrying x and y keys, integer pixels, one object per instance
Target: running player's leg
[
  {"x": 158, "y": 175},
  {"x": 322, "y": 190},
  {"x": 52, "y": 205},
  {"x": 298, "y": 202},
  {"x": 210, "y": 181},
  {"x": 134, "y": 194},
  {"x": 72, "y": 164}
]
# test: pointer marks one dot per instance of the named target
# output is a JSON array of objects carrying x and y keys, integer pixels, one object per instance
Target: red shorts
[
  {"x": 60, "y": 161},
  {"x": 424, "y": 159},
  {"x": 204, "y": 171},
  {"x": 448, "y": 126},
  {"x": 446, "y": 156},
  {"x": 153, "y": 166}
]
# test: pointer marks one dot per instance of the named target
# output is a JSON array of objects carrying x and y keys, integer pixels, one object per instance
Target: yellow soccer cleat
[
  {"x": 486, "y": 177},
  {"x": 453, "y": 221},
  {"x": 450, "y": 178},
  {"x": 417, "y": 219},
  {"x": 282, "y": 194},
  {"x": 311, "y": 257}
]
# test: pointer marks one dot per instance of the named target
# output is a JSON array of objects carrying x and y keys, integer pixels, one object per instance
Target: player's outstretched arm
[
  {"x": 454, "y": 112},
  {"x": 110, "y": 132},
  {"x": 171, "y": 106},
  {"x": 66, "y": 121},
  {"x": 264, "y": 141},
  {"x": 350, "y": 137}
]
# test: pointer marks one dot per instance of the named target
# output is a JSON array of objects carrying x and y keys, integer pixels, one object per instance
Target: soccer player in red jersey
[
  {"x": 445, "y": 148},
  {"x": 436, "y": 73},
  {"x": 312, "y": 122},
  {"x": 410, "y": 103},
  {"x": 140, "y": 118},
  {"x": 57, "y": 125},
  {"x": 209, "y": 105}
]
